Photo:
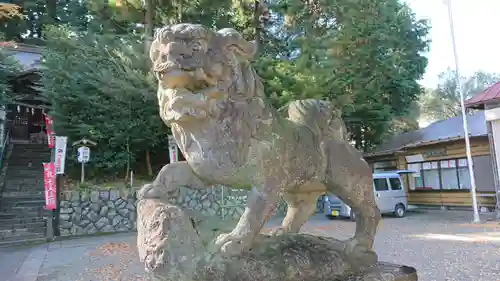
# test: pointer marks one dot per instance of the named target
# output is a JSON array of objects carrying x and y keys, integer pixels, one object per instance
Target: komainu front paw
[
  {"x": 358, "y": 253},
  {"x": 147, "y": 191},
  {"x": 231, "y": 244},
  {"x": 155, "y": 191},
  {"x": 278, "y": 231}
]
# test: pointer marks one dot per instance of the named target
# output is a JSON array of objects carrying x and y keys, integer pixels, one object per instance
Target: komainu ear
[{"x": 232, "y": 40}]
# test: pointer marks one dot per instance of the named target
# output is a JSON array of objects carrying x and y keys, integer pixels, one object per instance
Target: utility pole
[{"x": 464, "y": 118}]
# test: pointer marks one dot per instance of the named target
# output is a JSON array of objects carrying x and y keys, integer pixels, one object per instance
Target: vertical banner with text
[
  {"x": 49, "y": 122},
  {"x": 49, "y": 183},
  {"x": 61, "y": 143}
]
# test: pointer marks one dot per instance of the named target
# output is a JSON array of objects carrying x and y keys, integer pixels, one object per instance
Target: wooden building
[
  {"x": 489, "y": 101},
  {"x": 23, "y": 117},
  {"x": 437, "y": 155}
]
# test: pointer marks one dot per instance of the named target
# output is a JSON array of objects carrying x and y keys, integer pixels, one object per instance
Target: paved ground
[{"x": 441, "y": 245}]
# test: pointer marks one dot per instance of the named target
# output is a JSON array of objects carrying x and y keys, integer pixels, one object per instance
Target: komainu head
[{"x": 200, "y": 70}]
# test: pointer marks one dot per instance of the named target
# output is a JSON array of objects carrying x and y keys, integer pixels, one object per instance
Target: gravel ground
[{"x": 441, "y": 245}]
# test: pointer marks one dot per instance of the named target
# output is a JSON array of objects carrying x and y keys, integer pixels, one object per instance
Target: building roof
[
  {"x": 441, "y": 131},
  {"x": 28, "y": 56},
  {"x": 490, "y": 94}
]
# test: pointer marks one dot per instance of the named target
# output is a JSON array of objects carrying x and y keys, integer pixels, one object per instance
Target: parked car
[{"x": 390, "y": 196}]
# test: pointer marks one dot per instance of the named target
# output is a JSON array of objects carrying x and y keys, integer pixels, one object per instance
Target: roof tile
[
  {"x": 492, "y": 93},
  {"x": 444, "y": 130}
]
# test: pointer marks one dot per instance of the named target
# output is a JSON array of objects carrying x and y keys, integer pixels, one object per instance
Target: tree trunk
[
  {"x": 148, "y": 163},
  {"x": 127, "y": 172},
  {"x": 51, "y": 11},
  {"x": 257, "y": 23},
  {"x": 149, "y": 25},
  {"x": 171, "y": 247}
]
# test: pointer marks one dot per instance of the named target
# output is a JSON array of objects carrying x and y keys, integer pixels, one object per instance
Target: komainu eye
[{"x": 196, "y": 46}]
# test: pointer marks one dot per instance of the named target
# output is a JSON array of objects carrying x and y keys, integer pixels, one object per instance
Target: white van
[{"x": 390, "y": 197}]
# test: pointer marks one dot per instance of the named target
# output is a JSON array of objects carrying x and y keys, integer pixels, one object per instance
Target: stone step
[
  {"x": 22, "y": 185},
  {"x": 24, "y": 203},
  {"x": 23, "y": 173},
  {"x": 15, "y": 221},
  {"x": 28, "y": 154},
  {"x": 23, "y": 241},
  {"x": 20, "y": 235},
  {"x": 19, "y": 195},
  {"x": 23, "y": 188},
  {"x": 18, "y": 155},
  {"x": 20, "y": 164},
  {"x": 25, "y": 184},
  {"x": 12, "y": 214},
  {"x": 35, "y": 154},
  {"x": 30, "y": 147},
  {"x": 25, "y": 160},
  {"x": 31, "y": 227},
  {"x": 14, "y": 209},
  {"x": 28, "y": 208},
  {"x": 7, "y": 233}
]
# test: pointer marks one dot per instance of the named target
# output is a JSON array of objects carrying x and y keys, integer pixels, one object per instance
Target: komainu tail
[{"x": 320, "y": 116}]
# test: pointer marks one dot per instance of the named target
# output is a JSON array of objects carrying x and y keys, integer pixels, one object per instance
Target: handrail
[
  {"x": 6, "y": 143},
  {"x": 3, "y": 153}
]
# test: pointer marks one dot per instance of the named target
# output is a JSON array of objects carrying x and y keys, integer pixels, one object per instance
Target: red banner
[
  {"x": 50, "y": 130},
  {"x": 49, "y": 182}
]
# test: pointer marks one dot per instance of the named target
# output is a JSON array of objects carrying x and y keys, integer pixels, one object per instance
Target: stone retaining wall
[
  {"x": 84, "y": 212},
  {"x": 104, "y": 211}
]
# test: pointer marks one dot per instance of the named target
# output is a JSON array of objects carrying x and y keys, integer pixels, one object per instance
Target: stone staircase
[{"x": 22, "y": 201}]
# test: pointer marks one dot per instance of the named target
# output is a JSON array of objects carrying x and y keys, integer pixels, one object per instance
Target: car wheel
[
  {"x": 330, "y": 217},
  {"x": 399, "y": 211},
  {"x": 352, "y": 215}
]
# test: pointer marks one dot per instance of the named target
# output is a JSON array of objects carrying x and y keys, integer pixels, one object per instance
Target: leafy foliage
[
  {"x": 9, "y": 11},
  {"x": 9, "y": 68},
  {"x": 363, "y": 54},
  {"x": 444, "y": 102},
  {"x": 100, "y": 89}
]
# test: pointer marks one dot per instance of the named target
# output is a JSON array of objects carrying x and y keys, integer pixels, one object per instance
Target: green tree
[
  {"x": 367, "y": 55},
  {"x": 8, "y": 11},
  {"x": 444, "y": 101},
  {"x": 364, "y": 55},
  {"x": 9, "y": 68},
  {"x": 99, "y": 90}
]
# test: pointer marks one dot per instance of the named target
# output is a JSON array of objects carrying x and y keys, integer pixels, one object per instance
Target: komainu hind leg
[
  {"x": 300, "y": 206},
  {"x": 359, "y": 196}
]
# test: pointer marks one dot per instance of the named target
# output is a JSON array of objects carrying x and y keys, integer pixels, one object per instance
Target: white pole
[
  {"x": 464, "y": 118},
  {"x": 82, "y": 180}
]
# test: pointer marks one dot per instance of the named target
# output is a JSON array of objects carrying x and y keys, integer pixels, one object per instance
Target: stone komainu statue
[{"x": 214, "y": 102}]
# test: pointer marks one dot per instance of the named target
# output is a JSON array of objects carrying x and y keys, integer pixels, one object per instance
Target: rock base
[
  {"x": 382, "y": 272},
  {"x": 171, "y": 246}
]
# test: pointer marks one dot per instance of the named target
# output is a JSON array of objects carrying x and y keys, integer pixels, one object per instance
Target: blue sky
[{"x": 476, "y": 32}]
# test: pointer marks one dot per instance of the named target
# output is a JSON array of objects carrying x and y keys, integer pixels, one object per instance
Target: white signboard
[
  {"x": 172, "y": 149},
  {"x": 60, "y": 154},
  {"x": 414, "y": 158},
  {"x": 83, "y": 154}
]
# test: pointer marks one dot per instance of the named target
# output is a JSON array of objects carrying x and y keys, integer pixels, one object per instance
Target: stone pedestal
[
  {"x": 171, "y": 246},
  {"x": 383, "y": 272}
]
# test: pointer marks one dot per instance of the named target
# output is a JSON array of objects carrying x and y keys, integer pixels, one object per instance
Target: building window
[
  {"x": 381, "y": 166},
  {"x": 463, "y": 174},
  {"x": 430, "y": 172},
  {"x": 449, "y": 174},
  {"x": 449, "y": 178}
]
